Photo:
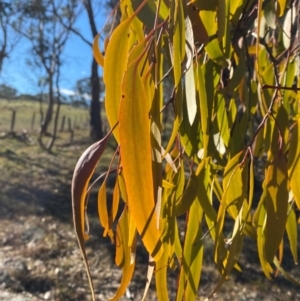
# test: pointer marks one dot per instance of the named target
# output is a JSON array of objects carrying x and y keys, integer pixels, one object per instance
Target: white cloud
[{"x": 68, "y": 92}]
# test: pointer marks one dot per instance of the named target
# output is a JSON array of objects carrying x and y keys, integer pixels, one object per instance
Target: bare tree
[
  {"x": 38, "y": 22},
  {"x": 96, "y": 132}
]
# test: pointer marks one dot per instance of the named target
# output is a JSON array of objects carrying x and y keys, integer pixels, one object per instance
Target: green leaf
[
  {"x": 215, "y": 53},
  {"x": 223, "y": 119},
  {"x": 161, "y": 276},
  {"x": 148, "y": 12},
  {"x": 192, "y": 256},
  {"x": 261, "y": 215},
  {"x": 190, "y": 136},
  {"x": 177, "y": 43},
  {"x": 189, "y": 195},
  {"x": 223, "y": 14},
  {"x": 285, "y": 274}
]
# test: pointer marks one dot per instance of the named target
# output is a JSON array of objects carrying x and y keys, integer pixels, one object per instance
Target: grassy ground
[
  {"x": 38, "y": 250},
  {"x": 28, "y": 116}
]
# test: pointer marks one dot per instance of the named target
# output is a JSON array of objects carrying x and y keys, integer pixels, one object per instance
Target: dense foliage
[{"x": 233, "y": 68}]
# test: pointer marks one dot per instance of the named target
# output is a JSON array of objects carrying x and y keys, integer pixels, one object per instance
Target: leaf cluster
[{"x": 234, "y": 100}]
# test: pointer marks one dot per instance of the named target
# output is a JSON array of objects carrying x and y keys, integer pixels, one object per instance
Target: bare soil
[{"x": 39, "y": 256}]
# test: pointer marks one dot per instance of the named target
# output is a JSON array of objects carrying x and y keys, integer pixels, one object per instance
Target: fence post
[
  {"x": 13, "y": 120},
  {"x": 32, "y": 120},
  {"x": 72, "y": 135},
  {"x": 69, "y": 124},
  {"x": 62, "y": 123}
]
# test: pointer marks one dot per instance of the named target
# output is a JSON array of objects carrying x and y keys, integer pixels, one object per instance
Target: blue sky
[{"x": 77, "y": 61}]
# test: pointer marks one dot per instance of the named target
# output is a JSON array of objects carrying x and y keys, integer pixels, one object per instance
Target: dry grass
[
  {"x": 27, "y": 110},
  {"x": 38, "y": 249}
]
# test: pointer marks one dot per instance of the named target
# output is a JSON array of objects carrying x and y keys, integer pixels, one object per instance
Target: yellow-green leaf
[
  {"x": 223, "y": 120},
  {"x": 177, "y": 43},
  {"x": 276, "y": 205},
  {"x": 189, "y": 195},
  {"x": 294, "y": 163},
  {"x": 292, "y": 232},
  {"x": 161, "y": 276},
  {"x": 261, "y": 220},
  {"x": 215, "y": 53},
  {"x": 124, "y": 255},
  {"x": 192, "y": 256},
  {"x": 285, "y": 274}
]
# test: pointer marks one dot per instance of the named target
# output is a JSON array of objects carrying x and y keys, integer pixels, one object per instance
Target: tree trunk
[
  {"x": 49, "y": 113},
  {"x": 52, "y": 140},
  {"x": 95, "y": 121},
  {"x": 95, "y": 108}
]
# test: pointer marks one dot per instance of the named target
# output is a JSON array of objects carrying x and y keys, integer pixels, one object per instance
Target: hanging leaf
[
  {"x": 291, "y": 229},
  {"x": 136, "y": 159},
  {"x": 124, "y": 255},
  {"x": 83, "y": 172},
  {"x": 116, "y": 60},
  {"x": 261, "y": 220},
  {"x": 192, "y": 257},
  {"x": 96, "y": 51},
  {"x": 190, "y": 93},
  {"x": 115, "y": 201},
  {"x": 199, "y": 31},
  {"x": 102, "y": 211},
  {"x": 276, "y": 205},
  {"x": 294, "y": 163}
]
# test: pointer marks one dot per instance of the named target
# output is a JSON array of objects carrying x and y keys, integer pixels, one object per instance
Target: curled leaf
[
  {"x": 83, "y": 172},
  {"x": 96, "y": 51}
]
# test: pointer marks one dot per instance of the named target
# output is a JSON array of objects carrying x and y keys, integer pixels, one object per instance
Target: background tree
[
  {"x": 8, "y": 92},
  {"x": 7, "y": 37},
  {"x": 235, "y": 102},
  {"x": 38, "y": 22},
  {"x": 83, "y": 91},
  {"x": 95, "y": 106}
]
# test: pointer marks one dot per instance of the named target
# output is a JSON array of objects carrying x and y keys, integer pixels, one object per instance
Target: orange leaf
[
  {"x": 96, "y": 51},
  {"x": 114, "y": 67},
  {"x": 134, "y": 131},
  {"x": 124, "y": 254}
]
